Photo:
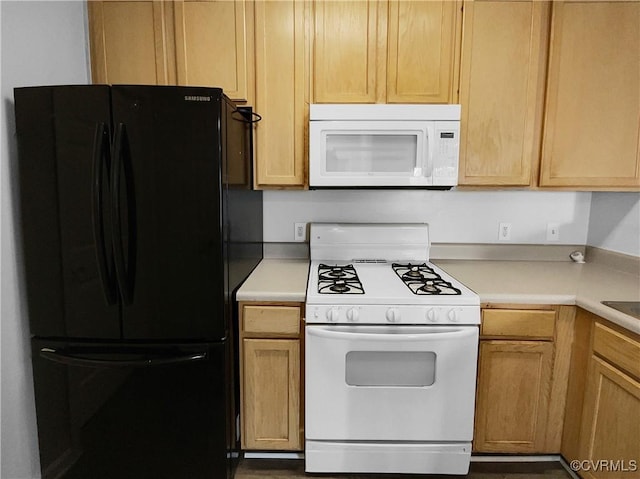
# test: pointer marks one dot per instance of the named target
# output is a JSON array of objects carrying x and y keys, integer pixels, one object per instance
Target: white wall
[
  {"x": 42, "y": 43},
  {"x": 614, "y": 223},
  {"x": 454, "y": 216}
]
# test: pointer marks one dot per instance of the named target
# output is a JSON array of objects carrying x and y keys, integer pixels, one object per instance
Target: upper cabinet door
[
  {"x": 281, "y": 94},
  {"x": 213, "y": 39},
  {"x": 385, "y": 52},
  {"x": 502, "y": 91},
  {"x": 421, "y": 56},
  {"x": 592, "y": 124},
  {"x": 129, "y": 42},
  {"x": 346, "y": 48}
]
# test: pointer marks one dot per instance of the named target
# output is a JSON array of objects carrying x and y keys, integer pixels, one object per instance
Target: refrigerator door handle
[
  {"x": 70, "y": 359},
  {"x": 100, "y": 151},
  {"x": 122, "y": 272}
]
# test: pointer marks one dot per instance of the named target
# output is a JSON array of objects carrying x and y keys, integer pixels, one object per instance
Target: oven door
[
  {"x": 390, "y": 383},
  {"x": 370, "y": 153}
]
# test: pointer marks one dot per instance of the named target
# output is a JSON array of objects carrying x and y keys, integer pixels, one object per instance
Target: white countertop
[
  {"x": 550, "y": 282},
  {"x": 276, "y": 280},
  {"x": 511, "y": 282}
]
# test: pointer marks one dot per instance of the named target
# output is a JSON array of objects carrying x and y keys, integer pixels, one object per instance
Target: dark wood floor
[{"x": 293, "y": 468}]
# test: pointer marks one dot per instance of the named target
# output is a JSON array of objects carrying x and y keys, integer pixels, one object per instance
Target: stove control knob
[
  {"x": 353, "y": 315},
  {"x": 332, "y": 314},
  {"x": 453, "y": 316},
  {"x": 393, "y": 315},
  {"x": 432, "y": 315}
]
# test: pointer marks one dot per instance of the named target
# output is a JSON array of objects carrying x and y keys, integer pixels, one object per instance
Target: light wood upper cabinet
[
  {"x": 130, "y": 42},
  {"x": 592, "y": 124},
  {"x": 345, "y": 51},
  {"x": 421, "y": 51},
  {"x": 385, "y": 52},
  {"x": 213, "y": 45},
  {"x": 501, "y": 91},
  {"x": 281, "y": 94},
  {"x": 549, "y": 90},
  {"x": 196, "y": 43}
]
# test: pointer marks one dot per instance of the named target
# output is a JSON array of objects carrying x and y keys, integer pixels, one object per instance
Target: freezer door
[
  {"x": 167, "y": 230},
  {"x": 132, "y": 412},
  {"x": 63, "y": 173}
]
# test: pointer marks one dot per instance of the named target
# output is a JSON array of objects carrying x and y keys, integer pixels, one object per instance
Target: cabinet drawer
[
  {"x": 281, "y": 320},
  {"x": 518, "y": 323},
  {"x": 620, "y": 350}
]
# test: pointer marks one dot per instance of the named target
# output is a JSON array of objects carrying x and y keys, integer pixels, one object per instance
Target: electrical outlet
[
  {"x": 300, "y": 232},
  {"x": 553, "y": 232},
  {"x": 504, "y": 232}
]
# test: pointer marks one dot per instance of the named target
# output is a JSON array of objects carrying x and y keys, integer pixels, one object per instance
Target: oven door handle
[{"x": 410, "y": 333}]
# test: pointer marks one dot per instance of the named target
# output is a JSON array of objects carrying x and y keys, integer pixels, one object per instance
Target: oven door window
[{"x": 390, "y": 368}]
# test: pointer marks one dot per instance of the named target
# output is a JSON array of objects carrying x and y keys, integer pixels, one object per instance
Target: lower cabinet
[
  {"x": 522, "y": 372},
  {"x": 549, "y": 380},
  {"x": 602, "y": 433},
  {"x": 611, "y": 421},
  {"x": 513, "y": 387},
  {"x": 270, "y": 376}
]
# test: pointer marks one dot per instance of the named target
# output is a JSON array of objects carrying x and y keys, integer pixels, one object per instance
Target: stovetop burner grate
[
  {"x": 338, "y": 279},
  {"x": 423, "y": 280}
]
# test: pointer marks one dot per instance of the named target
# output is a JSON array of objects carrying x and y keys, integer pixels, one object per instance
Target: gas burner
[
  {"x": 331, "y": 272},
  {"x": 339, "y": 287},
  {"x": 335, "y": 279},
  {"x": 337, "y": 272},
  {"x": 428, "y": 288},
  {"x": 423, "y": 280},
  {"x": 412, "y": 272}
]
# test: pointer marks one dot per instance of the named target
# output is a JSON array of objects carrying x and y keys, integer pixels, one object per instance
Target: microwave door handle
[
  {"x": 418, "y": 335},
  {"x": 429, "y": 147}
]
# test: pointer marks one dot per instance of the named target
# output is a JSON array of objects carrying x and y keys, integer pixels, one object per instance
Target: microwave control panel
[{"x": 447, "y": 151}]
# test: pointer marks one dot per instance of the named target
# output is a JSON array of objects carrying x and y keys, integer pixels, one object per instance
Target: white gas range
[{"x": 390, "y": 354}]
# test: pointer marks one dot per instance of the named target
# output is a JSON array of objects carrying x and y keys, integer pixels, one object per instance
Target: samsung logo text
[{"x": 197, "y": 98}]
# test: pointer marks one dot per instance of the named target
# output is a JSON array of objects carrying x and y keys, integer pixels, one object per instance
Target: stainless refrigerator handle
[
  {"x": 63, "y": 357},
  {"x": 116, "y": 217},
  {"x": 100, "y": 149}
]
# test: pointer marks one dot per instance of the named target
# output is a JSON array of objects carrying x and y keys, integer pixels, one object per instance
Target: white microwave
[{"x": 384, "y": 145}]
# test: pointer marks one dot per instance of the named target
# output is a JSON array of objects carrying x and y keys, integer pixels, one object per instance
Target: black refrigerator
[{"x": 138, "y": 223}]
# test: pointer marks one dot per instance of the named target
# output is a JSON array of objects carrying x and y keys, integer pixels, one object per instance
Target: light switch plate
[{"x": 553, "y": 232}]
